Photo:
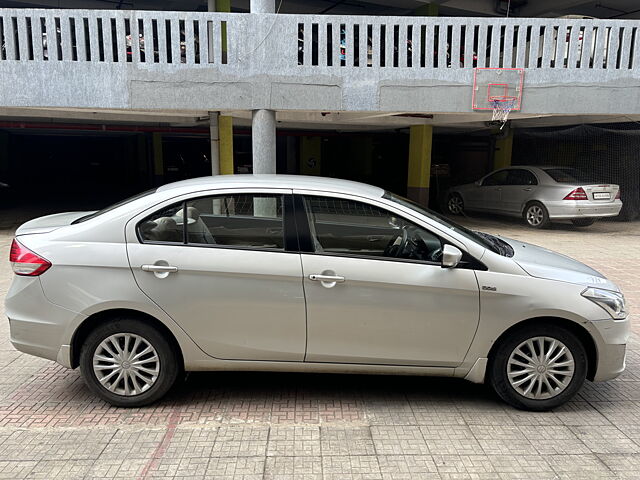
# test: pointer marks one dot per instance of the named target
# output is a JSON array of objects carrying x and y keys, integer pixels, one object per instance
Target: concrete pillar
[
  {"x": 158, "y": 161},
  {"x": 503, "y": 152},
  {"x": 225, "y": 129},
  {"x": 420, "y": 164},
  {"x": 214, "y": 138},
  {"x": 263, "y": 139},
  {"x": 262, "y": 6}
]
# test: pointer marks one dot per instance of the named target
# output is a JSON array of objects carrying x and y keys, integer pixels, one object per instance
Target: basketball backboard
[{"x": 491, "y": 85}]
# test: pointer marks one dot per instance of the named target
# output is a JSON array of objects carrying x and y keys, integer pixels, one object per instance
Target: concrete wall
[{"x": 317, "y": 63}]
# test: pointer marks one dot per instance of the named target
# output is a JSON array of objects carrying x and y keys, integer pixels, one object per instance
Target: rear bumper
[
  {"x": 567, "y": 209},
  {"x": 37, "y": 326}
]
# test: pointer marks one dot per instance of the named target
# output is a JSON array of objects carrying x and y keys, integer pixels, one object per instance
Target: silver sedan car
[
  {"x": 540, "y": 195},
  {"x": 285, "y": 273}
]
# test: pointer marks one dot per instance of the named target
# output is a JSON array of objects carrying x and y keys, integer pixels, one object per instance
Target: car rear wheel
[
  {"x": 583, "y": 222},
  {"x": 128, "y": 363},
  {"x": 536, "y": 215},
  {"x": 538, "y": 368},
  {"x": 455, "y": 204}
]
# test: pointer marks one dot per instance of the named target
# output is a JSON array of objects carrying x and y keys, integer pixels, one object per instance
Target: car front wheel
[
  {"x": 128, "y": 363},
  {"x": 538, "y": 367}
]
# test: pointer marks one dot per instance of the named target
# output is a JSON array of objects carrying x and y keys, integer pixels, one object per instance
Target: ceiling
[{"x": 621, "y": 9}]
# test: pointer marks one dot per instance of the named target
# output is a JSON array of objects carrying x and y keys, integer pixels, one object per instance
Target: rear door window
[{"x": 248, "y": 220}]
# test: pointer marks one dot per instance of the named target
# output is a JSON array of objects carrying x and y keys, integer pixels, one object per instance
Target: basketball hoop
[{"x": 501, "y": 109}]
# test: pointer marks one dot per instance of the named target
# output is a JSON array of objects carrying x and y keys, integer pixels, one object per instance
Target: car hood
[
  {"x": 49, "y": 222},
  {"x": 542, "y": 263}
]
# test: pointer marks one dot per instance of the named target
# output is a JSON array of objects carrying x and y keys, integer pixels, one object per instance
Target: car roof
[{"x": 301, "y": 182}]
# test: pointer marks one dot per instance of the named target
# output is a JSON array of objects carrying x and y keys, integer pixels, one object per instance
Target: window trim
[
  {"x": 287, "y": 226},
  {"x": 471, "y": 262}
]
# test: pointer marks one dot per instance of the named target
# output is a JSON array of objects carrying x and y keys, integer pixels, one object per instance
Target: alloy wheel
[
  {"x": 126, "y": 364},
  {"x": 540, "y": 368},
  {"x": 535, "y": 215},
  {"x": 455, "y": 204}
]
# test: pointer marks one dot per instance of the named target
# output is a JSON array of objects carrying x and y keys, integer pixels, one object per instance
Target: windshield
[
  {"x": 568, "y": 175},
  {"x": 113, "y": 207},
  {"x": 488, "y": 241}
]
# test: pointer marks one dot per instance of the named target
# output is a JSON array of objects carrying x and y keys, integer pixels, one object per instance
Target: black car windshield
[
  {"x": 568, "y": 175},
  {"x": 488, "y": 241},
  {"x": 113, "y": 207}
]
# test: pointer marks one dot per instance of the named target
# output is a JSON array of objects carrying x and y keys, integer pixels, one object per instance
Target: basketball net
[{"x": 501, "y": 110}]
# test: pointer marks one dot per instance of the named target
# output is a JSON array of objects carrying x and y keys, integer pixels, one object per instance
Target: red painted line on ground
[{"x": 174, "y": 421}]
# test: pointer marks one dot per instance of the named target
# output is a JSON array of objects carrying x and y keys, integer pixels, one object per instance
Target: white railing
[
  {"x": 438, "y": 42},
  {"x": 114, "y": 36},
  {"x": 317, "y": 41}
]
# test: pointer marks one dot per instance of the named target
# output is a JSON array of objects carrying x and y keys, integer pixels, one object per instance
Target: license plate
[{"x": 601, "y": 196}]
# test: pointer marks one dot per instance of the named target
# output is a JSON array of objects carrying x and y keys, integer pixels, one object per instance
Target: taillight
[
  {"x": 618, "y": 195},
  {"x": 25, "y": 262},
  {"x": 577, "y": 194}
]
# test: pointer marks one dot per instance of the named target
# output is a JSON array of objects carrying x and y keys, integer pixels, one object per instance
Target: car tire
[
  {"x": 135, "y": 379},
  {"x": 507, "y": 367},
  {"x": 455, "y": 204},
  {"x": 536, "y": 215},
  {"x": 583, "y": 222}
]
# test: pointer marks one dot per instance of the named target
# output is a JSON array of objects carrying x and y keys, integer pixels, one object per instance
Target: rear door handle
[
  {"x": 527, "y": 189},
  {"x": 159, "y": 268},
  {"x": 326, "y": 278}
]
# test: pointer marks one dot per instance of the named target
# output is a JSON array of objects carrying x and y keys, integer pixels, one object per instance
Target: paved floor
[{"x": 285, "y": 426}]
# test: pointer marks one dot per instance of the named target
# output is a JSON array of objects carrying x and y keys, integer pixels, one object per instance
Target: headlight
[{"x": 612, "y": 302}]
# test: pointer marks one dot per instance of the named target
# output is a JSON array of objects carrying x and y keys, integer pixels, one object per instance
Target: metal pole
[{"x": 214, "y": 135}]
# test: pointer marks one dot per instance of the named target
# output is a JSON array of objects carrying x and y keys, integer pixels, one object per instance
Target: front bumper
[
  {"x": 611, "y": 338},
  {"x": 567, "y": 209}
]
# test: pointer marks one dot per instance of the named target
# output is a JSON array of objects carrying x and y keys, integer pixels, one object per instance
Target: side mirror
[
  {"x": 478, "y": 183},
  {"x": 451, "y": 256}
]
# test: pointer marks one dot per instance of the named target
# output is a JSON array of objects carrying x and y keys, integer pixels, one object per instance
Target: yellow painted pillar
[
  {"x": 225, "y": 130},
  {"x": 420, "y": 163},
  {"x": 158, "y": 161},
  {"x": 311, "y": 156},
  {"x": 504, "y": 149}
]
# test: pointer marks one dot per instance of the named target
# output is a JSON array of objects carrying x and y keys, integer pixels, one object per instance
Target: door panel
[
  {"x": 376, "y": 293},
  {"x": 233, "y": 297},
  {"x": 389, "y": 312},
  {"x": 235, "y": 304}
]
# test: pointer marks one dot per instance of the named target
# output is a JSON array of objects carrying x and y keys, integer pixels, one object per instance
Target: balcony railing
[
  {"x": 321, "y": 41},
  {"x": 361, "y": 56}
]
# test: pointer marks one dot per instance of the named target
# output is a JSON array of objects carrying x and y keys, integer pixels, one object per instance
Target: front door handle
[
  {"x": 527, "y": 189},
  {"x": 159, "y": 268},
  {"x": 326, "y": 278}
]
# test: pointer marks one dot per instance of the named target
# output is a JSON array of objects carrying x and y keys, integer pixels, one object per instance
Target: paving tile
[
  {"x": 294, "y": 441},
  {"x": 293, "y": 468},
  {"x": 235, "y": 468},
  {"x": 398, "y": 440},
  {"x": 361, "y": 467},
  {"x": 241, "y": 441},
  {"x": 606, "y": 439},
  {"x": 450, "y": 440},
  {"x": 407, "y": 467},
  {"x": 339, "y": 440}
]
